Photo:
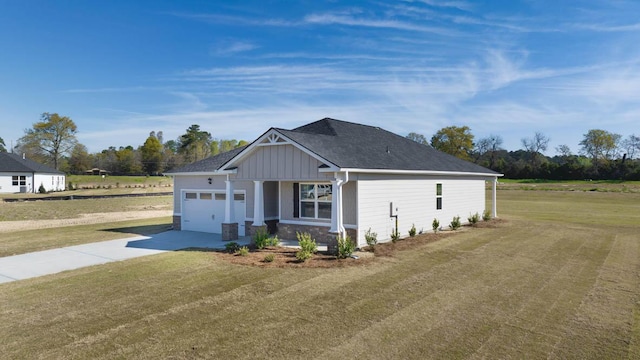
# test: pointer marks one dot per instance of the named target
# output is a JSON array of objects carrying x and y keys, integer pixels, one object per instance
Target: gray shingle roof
[
  {"x": 209, "y": 164},
  {"x": 356, "y": 146},
  {"x": 10, "y": 162},
  {"x": 350, "y": 145}
]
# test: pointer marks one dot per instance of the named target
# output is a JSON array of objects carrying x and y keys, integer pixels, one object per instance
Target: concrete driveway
[{"x": 25, "y": 266}]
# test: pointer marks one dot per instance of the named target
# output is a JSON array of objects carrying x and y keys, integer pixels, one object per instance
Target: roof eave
[
  {"x": 204, "y": 173},
  {"x": 413, "y": 172}
]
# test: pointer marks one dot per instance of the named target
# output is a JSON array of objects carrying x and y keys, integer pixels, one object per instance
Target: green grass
[
  {"x": 547, "y": 283},
  {"x": 570, "y": 185},
  {"x": 122, "y": 181},
  {"x": 67, "y": 209},
  {"x": 21, "y": 242}
]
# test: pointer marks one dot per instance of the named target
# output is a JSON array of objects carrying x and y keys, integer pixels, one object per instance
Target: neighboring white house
[
  {"x": 328, "y": 177},
  {"x": 21, "y": 175}
]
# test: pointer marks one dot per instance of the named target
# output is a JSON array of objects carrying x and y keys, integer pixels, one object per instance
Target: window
[
  {"x": 438, "y": 196},
  {"x": 206, "y": 196},
  {"x": 221, "y": 196},
  {"x": 315, "y": 201},
  {"x": 20, "y": 180},
  {"x": 191, "y": 195}
]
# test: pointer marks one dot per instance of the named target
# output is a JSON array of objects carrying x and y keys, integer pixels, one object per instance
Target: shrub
[
  {"x": 243, "y": 251},
  {"x": 473, "y": 219},
  {"x": 303, "y": 255},
  {"x": 307, "y": 243},
  {"x": 231, "y": 247},
  {"x": 308, "y": 246},
  {"x": 486, "y": 215},
  {"x": 395, "y": 235},
  {"x": 345, "y": 247},
  {"x": 261, "y": 238},
  {"x": 273, "y": 241},
  {"x": 70, "y": 185},
  {"x": 455, "y": 223},
  {"x": 42, "y": 190},
  {"x": 435, "y": 225},
  {"x": 371, "y": 237},
  {"x": 269, "y": 258},
  {"x": 412, "y": 231}
]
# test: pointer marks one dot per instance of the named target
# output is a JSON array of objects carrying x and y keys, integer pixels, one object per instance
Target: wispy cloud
[
  {"x": 609, "y": 28},
  {"x": 330, "y": 19},
  {"x": 227, "y": 48}
]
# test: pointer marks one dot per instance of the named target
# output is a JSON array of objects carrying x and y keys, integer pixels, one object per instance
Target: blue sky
[{"x": 121, "y": 69}]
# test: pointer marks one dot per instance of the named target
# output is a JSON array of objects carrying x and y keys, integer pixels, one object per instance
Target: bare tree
[
  {"x": 536, "y": 146},
  {"x": 489, "y": 145},
  {"x": 631, "y": 145}
]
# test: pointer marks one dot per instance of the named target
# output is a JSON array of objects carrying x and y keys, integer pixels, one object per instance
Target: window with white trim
[
  {"x": 315, "y": 201},
  {"x": 438, "y": 196}
]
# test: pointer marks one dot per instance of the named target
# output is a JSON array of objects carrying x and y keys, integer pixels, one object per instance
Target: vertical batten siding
[
  {"x": 279, "y": 162},
  {"x": 350, "y": 203},
  {"x": 270, "y": 199},
  {"x": 416, "y": 203}
]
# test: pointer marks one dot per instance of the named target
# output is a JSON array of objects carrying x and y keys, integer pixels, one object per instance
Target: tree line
[
  {"x": 53, "y": 141},
  {"x": 602, "y": 155}
]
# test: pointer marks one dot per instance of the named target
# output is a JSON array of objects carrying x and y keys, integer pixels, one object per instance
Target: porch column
[
  {"x": 337, "y": 224},
  {"x": 229, "y": 209},
  {"x": 258, "y": 204},
  {"x": 229, "y": 226},
  {"x": 494, "y": 205}
]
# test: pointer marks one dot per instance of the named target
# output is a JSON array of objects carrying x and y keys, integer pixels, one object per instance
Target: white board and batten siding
[{"x": 415, "y": 201}]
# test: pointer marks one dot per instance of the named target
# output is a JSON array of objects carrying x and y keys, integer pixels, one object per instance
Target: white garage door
[{"x": 204, "y": 211}]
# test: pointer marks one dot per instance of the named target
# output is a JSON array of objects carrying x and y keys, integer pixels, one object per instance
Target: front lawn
[{"x": 543, "y": 284}]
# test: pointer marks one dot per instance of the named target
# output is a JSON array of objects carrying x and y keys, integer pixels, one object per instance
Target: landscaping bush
[
  {"x": 273, "y": 241},
  {"x": 303, "y": 256},
  {"x": 455, "y": 223},
  {"x": 260, "y": 238},
  {"x": 435, "y": 225},
  {"x": 231, "y": 247},
  {"x": 308, "y": 246},
  {"x": 346, "y": 247},
  {"x": 395, "y": 235},
  {"x": 473, "y": 219},
  {"x": 412, "y": 231},
  {"x": 269, "y": 258},
  {"x": 371, "y": 238},
  {"x": 486, "y": 215},
  {"x": 243, "y": 251}
]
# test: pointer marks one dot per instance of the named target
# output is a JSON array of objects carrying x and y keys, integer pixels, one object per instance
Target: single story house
[
  {"x": 328, "y": 177},
  {"x": 21, "y": 175}
]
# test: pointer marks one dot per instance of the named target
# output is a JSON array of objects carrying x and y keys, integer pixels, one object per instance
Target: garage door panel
[{"x": 204, "y": 211}]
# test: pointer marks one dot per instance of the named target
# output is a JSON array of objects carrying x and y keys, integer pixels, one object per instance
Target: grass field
[
  {"x": 67, "y": 209},
  {"x": 110, "y": 185},
  {"x": 557, "y": 279}
]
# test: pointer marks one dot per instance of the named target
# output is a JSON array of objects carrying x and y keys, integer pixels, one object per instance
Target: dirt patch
[{"x": 84, "y": 219}]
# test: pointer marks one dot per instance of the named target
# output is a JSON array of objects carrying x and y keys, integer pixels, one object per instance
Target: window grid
[{"x": 315, "y": 201}]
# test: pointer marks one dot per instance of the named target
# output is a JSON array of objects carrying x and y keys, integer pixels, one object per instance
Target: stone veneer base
[{"x": 229, "y": 231}]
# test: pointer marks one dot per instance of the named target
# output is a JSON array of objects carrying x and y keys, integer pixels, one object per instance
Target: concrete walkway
[{"x": 25, "y": 266}]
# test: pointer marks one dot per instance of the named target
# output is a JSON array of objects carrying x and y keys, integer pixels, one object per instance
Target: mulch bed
[{"x": 285, "y": 257}]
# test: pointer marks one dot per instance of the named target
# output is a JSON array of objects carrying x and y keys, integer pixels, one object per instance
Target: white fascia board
[
  {"x": 258, "y": 143},
  {"x": 412, "y": 172}
]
